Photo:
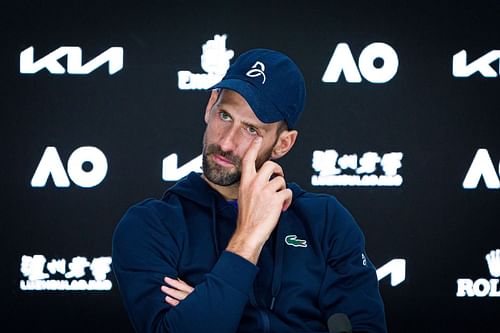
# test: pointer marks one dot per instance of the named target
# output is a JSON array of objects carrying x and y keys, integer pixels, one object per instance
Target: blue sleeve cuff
[{"x": 236, "y": 271}]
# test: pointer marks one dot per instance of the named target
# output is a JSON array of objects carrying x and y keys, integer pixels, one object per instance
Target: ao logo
[
  {"x": 51, "y": 165},
  {"x": 343, "y": 61},
  {"x": 482, "y": 167},
  {"x": 27, "y": 64}
]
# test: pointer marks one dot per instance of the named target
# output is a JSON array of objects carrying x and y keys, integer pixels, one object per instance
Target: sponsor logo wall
[
  {"x": 342, "y": 62},
  {"x": 214, "y": 61},
  {"x": 401, "y": 125},
  {"x": 27, "y": 65},
  {"x": 482, "y": 167},
  {"x": 483, "y": 64},
  {"x": 51, "y": 166},
  {"x": 55, "y": 274},
  {"x": 482, "y": 287},
  {"x": 349, "y": 170}
]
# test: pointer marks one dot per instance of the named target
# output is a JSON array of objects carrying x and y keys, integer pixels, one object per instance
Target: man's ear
[
  {"x": 285, "y": 142},
  {"x": 211, "y": 101}
]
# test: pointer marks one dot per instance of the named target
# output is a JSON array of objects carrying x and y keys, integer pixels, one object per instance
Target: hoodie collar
[{"x": 196, "y": 189}]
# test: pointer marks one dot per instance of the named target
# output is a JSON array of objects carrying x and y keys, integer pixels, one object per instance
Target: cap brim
[{"x": 263, "y": 108}]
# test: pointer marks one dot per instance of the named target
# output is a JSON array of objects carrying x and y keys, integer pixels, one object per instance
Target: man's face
[{"x": 231, "y": 128}]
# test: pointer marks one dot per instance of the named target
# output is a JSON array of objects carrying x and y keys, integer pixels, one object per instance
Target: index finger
[
  {"x": 178, "y": 284},
  {"x": 248, "y": 161}
]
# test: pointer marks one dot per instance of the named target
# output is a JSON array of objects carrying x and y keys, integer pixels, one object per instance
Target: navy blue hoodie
[{"x": 312, "y": 266}]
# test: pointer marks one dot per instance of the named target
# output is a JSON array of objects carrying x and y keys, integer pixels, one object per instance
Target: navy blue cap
[{"x": 270, "y": 82}]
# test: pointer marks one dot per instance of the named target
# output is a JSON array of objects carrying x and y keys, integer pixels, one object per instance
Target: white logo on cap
[{"x": 257, "y": 70}]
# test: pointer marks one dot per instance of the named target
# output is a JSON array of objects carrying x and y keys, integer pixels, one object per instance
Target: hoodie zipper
[
  {"x": 276, "y": 279},
  {"x": 277, "y": 270},
  {"x": 265, "y": 320},
  {"x": 263, "y": 315}
]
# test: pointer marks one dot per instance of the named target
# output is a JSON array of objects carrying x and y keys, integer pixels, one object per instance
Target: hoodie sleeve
[
  {"x": 350, "y": 285},
  {"x": 145, "y": 251}
]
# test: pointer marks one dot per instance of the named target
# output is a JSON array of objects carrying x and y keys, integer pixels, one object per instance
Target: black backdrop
[{"x": 138, "y": 116}]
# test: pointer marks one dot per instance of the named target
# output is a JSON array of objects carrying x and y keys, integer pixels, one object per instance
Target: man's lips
[{"x": 222, "y": 160}]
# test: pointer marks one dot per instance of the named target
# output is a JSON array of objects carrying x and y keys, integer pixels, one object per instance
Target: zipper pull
[{"x": 271, "y": 307}]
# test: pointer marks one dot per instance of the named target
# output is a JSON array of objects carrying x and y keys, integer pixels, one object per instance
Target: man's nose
[{"x": 228, "y": 139}]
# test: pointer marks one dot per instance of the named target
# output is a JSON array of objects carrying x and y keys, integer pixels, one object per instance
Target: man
[{"x": 237, "y": 249}]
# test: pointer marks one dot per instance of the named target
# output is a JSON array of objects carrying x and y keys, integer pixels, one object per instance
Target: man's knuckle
[{"x": 268, "y": 164}]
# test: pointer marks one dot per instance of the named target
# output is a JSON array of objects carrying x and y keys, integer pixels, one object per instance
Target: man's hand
[
  {"x": 176, "y": 290},
  {"x": 260, "y": 203}
]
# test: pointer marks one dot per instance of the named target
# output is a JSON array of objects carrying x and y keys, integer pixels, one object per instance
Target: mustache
[{"x": 216, "y": 149}]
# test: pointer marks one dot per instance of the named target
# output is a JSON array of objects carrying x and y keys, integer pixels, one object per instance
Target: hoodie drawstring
[
  {"x": 278, "y": 261},
  {"x": 214, "y": 228}
]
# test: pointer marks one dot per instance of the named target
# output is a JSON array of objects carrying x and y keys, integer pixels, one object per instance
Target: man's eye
[
  {"x": 252, "y": 130},
  {"x": 224, "y": 116}
]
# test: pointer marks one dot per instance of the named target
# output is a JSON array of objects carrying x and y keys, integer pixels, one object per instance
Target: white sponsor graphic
[
  {"x": 482, "y": 287},
  {"x": 27, "y": 64},
  {"x": 493, "y": 260},
  {"x": 214, "y": 61},
  {"x": 396, "y": 269},
  {"x": 342, "y": 61},
  {"x": 482, "y": 167},
  {"x": 481, "y": 65},
  {"x": 257, "y": 70},
  {"x": 51, "y": 165},
  {"x": 348, "y": 170},
  {"x": 170, "y": 171},
  {"x": 40, "y": 274}
]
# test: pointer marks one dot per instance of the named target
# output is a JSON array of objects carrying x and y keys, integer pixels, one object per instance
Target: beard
[{"x": 223, "y": 176}]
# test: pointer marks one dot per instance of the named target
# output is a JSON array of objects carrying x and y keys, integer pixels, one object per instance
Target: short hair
[{"x": 282, "y": 126}]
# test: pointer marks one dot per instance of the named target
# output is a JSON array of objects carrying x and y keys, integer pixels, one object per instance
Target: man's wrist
[{"x": 246, "y": 247}]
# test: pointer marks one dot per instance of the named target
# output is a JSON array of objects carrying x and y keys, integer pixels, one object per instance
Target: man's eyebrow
[{"x": 249, "y": 124}]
